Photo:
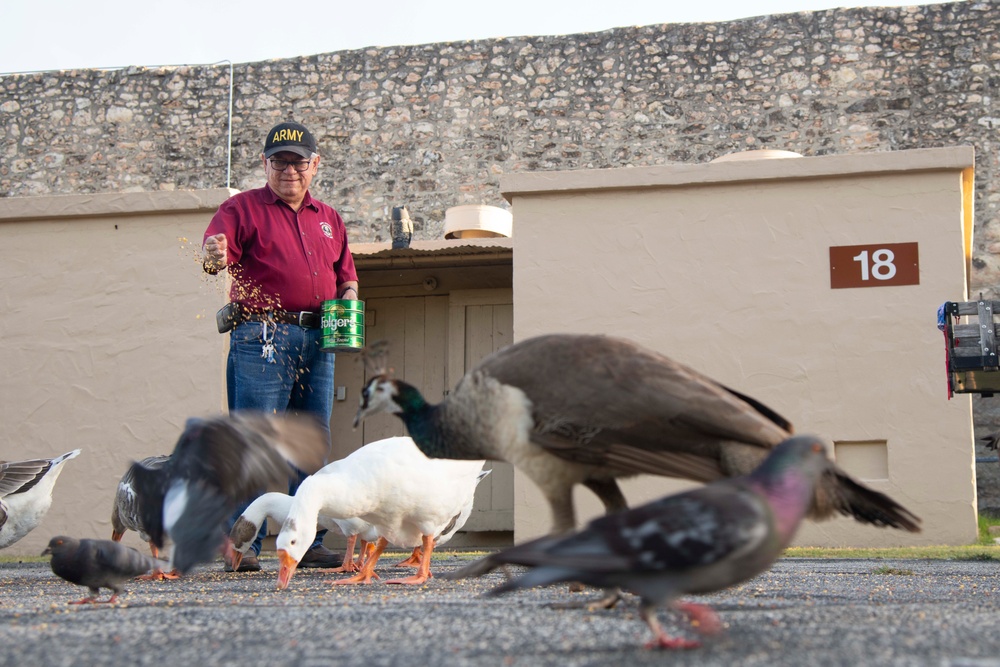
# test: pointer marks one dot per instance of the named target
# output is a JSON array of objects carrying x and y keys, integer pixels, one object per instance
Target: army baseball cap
[{"x": 292, "y": 137}]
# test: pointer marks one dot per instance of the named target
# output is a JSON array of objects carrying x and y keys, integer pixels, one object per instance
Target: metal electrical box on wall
[{"x": 809, "y": 283}]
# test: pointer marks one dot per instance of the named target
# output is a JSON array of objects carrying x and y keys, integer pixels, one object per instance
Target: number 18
[{"x": 881, "y": 267}]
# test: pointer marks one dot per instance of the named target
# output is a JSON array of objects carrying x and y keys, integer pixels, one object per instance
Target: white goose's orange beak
[
  {"x": 286, "y": 568},
  {"x": 237, "y": 558}
]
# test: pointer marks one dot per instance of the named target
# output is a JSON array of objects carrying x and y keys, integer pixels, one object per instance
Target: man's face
[{"x": 288, "y": 183}]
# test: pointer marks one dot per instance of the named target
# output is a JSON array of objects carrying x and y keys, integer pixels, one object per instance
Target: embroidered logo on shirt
[{"x": 327, "y": 229}]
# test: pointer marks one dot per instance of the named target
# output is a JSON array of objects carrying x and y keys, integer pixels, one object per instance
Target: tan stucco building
[
  {"x": 731, "y": 267},
  {"x": 110, "y": 344}
]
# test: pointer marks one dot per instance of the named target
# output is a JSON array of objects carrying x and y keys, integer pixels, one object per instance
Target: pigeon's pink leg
[
  {"x": 662, "y": 639},
  {"x": 94, "y": 600},
  {"x": 703, "y": 618},
  {"x": 158, "y": 574}
]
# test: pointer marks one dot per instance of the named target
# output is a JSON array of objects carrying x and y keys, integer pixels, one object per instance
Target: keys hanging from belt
[{"x": 267, "y": 335}]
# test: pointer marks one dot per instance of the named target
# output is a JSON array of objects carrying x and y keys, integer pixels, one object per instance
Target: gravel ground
[{"x": 802, "y": 612}]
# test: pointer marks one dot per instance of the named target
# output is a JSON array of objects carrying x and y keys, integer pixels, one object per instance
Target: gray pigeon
[
  {"x": 26, "y": 494},
  {"x": 696, "y": 542},
  {"x": 216, "y": 463},
  {"x": 96, "y": 564}
]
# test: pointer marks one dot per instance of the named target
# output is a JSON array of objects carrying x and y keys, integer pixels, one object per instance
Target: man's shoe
[
  {"x": 248, "y": 564},
  {"x": 321, "y": 557}
]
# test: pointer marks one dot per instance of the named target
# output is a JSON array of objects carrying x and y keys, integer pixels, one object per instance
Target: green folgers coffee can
[{"x": 343, "y": 325}]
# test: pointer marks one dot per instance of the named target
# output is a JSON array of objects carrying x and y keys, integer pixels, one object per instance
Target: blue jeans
[{"x": 300, "y": 379}]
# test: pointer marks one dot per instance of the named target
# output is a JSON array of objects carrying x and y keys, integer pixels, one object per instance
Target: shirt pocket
[{"x": 330, "y": 251}]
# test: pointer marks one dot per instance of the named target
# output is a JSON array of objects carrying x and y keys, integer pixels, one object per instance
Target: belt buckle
[{"x": 303, "y": 313}]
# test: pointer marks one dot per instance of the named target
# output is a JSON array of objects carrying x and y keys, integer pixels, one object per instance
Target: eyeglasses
[{"x": 281, "y": 165}]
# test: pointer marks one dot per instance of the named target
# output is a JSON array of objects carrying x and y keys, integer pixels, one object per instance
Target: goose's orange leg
[
  {"x": 413, "y": 560},
  {"x": 349, "y": 564},
  {"x": 424, "y": 569},
  {"x": 367, "y": 571}
]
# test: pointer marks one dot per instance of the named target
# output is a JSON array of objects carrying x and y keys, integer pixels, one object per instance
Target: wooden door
[
  {"x": 416, "y": 330},
  {"x": 433, "y": 341},
  {"x": 480, "y": 323}
]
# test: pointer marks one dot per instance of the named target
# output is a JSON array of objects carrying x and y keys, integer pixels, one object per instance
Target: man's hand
[{"x": 216, "y": 253}]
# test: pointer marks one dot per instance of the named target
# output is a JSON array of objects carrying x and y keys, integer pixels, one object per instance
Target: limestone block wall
[{"x": 434, "y": 126}]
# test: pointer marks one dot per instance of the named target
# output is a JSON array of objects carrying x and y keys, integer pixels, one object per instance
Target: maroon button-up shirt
[{"x": 280, "y": 258}]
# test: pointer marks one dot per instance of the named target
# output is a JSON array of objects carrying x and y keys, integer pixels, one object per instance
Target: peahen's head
[{"x": 384, "y": 394}]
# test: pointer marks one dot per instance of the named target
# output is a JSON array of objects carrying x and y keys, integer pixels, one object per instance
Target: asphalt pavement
[{"x": 804, "y": 612}]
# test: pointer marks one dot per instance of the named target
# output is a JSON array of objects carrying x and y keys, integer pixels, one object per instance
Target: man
[{"x": 286, "y": 253}]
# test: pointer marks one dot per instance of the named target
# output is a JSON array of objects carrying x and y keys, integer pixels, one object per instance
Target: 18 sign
[{"x": 876, "y": 265}]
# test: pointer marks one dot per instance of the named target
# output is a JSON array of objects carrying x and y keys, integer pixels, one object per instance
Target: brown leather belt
[{"x": 303, "y": 318}]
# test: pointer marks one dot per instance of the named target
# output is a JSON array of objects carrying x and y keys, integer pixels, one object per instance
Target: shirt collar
[{"x": 271, "y": 197}]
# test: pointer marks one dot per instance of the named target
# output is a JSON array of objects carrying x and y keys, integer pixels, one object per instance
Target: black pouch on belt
[{"x": 225, "y": 319}]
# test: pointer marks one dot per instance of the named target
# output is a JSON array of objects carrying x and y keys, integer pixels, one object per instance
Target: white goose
[
  {"x": 412, "y": 500},
  {"x": 275, "y": 506},
  {"x": 26, "y": 494}
]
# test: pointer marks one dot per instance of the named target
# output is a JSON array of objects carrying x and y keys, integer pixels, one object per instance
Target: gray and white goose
[
  {"x": 571, "y": 409},
  {"x": 125, "y": 514}
]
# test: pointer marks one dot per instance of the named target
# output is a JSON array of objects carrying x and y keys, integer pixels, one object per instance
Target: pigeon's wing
[
  {"x": 117, "y": 561},
  {"x": 694, "y": 529},
  {"x": 3, "y": 513},
  {"x": 247, "y": 452},
  {"x": 197, "y": 532},
  {"x": 298, "y": 438},
  {"x": 150, "y": 486}
]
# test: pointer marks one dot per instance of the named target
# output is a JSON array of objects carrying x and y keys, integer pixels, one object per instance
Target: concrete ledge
[
  {"x": 13, "y": 209},
  {"x": 923, "y": 159}
]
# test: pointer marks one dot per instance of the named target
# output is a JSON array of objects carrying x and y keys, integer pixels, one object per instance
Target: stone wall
[{"x": 434, "y": 126}]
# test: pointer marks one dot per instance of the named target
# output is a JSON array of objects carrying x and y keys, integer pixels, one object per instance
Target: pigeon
[
  {"x": 696, "y": 542},
  {"x": 96, "y": 564},
  {"x": 125, "y": 513},
  {"x": 217, "y": 463},
  {"x": 570, "y": 409},
  {"x": 26, "y": 494}
]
